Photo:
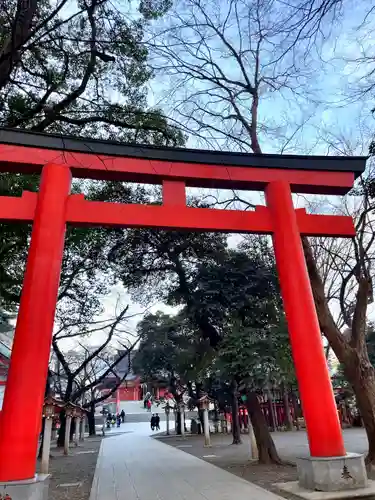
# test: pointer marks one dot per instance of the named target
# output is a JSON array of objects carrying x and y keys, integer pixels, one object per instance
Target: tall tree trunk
[
  {"x": 61, "y": 435},
  {"x": 201, "y": 418},
  {"x": 361, "y": 375},
  {"x": 271, "y": 408},
  {"x": 21, "y": 29},
  {"x": 67, "y": 395},
  {"x": 72, "y": 429},
  {"x": 91, "y": 420},
  {"x": 265, "y": 443},
  {"x": 236, "y": 427},
  {"x": 178, "y": 424},
  {"x": 296, "y": 408},
  {"x": 288, "y": 417},
  {"x": 216, "y": 413},
  {"x": 42, "y": 439}
]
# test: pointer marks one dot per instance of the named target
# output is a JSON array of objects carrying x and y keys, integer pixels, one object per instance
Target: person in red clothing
[{"x": 149, "y": 405}]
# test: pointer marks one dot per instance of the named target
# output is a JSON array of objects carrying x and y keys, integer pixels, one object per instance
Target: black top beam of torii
[{"x": 16, "y": 137}]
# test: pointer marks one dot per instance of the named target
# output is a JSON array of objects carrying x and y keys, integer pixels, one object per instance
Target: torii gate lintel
[{"x": 174, "y": 215}]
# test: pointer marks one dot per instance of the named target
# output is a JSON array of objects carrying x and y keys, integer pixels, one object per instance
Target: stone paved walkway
[{"x": 137, "y": 467}]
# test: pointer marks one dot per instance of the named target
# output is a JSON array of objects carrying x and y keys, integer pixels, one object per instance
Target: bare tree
[
  {"x": 221, "y": 62},
  {"x": 359, "y": 58},
  {"x": 78, "y": 372},
  {"x": 21, "y": 27}
]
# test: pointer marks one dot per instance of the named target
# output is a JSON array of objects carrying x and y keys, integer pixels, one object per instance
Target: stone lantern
[
  {"x": 51, "y": 407},
  {"x": 204, "y": 404},
  {"x": 175, "y": 412},
  {"x": 78, "y": 413},
  {"x": 82, "y": 425},
  {"x": 70, "y": 413},
  {"x": 181, "y": 410},
  {"x": 167, "y": 410}
]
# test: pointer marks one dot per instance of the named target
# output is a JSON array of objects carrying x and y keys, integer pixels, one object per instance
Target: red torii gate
[{"x": 59, "y": 158}]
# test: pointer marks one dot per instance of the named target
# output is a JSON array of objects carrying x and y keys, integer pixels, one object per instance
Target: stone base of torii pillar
[
  {"x": 32, "y": 489},
  {"x": 331, "y": 478}
]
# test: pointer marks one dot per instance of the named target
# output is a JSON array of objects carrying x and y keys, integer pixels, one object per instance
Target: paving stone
[
  {"x": 69, "y": 485},
  {"x": 147, "y": 469}
]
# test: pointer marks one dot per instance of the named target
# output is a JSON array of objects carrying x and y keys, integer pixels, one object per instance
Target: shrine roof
[
  {"x": 17, "y": 137},
  {"x": 124, "y": 366}
]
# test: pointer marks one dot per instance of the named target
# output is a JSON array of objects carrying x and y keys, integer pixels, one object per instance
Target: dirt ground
[{"x": 71, "y": 476}]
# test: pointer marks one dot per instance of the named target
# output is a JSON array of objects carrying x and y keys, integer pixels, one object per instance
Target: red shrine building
[{"x": 133, "y": 387}]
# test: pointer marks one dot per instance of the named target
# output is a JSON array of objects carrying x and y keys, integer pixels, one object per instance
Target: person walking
[
  {"x": 149, "y": 405},
  {"x": 157, "y": 422},
  {"x": 109, "y": 420},
  {"x": 152, "y": 422},
  {"x": 122, "y": 416}
]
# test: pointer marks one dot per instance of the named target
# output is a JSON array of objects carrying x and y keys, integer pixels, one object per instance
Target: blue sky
[{"x": 324, "y": 102}]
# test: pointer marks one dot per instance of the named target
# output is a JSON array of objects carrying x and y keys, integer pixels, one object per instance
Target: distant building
[
  {"x": 130, "y": 389},
  {"x": 133, "y": 387}
]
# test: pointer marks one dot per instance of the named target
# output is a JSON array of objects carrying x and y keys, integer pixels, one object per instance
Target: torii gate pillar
[
  {"x": 324, "y": 434},
  {"x": 329, "y": 468},
  {"x": 24, "y": 394}
]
